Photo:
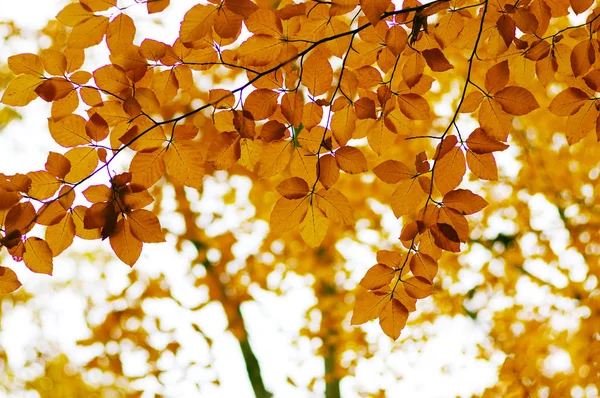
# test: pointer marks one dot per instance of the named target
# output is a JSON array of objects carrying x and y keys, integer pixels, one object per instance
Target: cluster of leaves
[{"x": 329, "y": 88}]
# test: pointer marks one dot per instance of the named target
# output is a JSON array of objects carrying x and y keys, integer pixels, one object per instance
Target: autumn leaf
[
  {"x": 368, "y": 306},
  {"x": 418, "y": 287},
  {"x": 145, "y": 226},
  {"x": 314, "y": 227},
  {"x": 568, "y": 102},
  {"x": 125, "y": 245},
  {"x": 38, "y": 256},
  {"x": 335, "y": 205},
  {"x": 516, "y": 100},
  {"x": 393, "y": 318},
  {"x": 288, "y": 214},
  {"x": 377, "y": 277},
  {"x": 8, "y": 281}
]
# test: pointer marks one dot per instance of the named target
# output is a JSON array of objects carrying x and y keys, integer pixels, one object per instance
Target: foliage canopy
[{"x": 325, "y": 106}]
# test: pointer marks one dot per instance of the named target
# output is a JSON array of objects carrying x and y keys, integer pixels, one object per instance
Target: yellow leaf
[
  {"x": 314, "y": 227},
  {"x": 21, "y": 91},
  {"x": 483, "y": 165},
  {"x": 407, "y": 197},
  {"x": 493, "y": 120},
  {"x": 8, "y": 281},
  {"x": 120, "y": 33},
  {"x": 368, "y": 305},
  {"x": 43, "y": 184},
  {"x": 99, "y": 5},
  {"x": 126, "y": 246},
  {"x": 112, "y": 79},
  {"x": 69, "y": 131},
  {"x": 80, "y": 230},
  {"x": 287, "y": 214},
  {"x": 60, "y": 236},
  {"x": 497, "y": 77},
  {"x": 73, "y": 14},
  {"x": 88, "y": 33},
  {"x": 165, "y": 86},
  {"x": 83, "y": 163},
  {"x": 260, "y": 50},
  {"x": 274, "y": 158},
  {"x": 147, "y": 168},
  {"x": 145, "y": 226},
  {"x": 27, "y": 63},
  {"x": 184, "y": 163},
  {"x": 418, "y": 287},
  {"x": 335, "y": 206},
  {"x": 38, "y": 256}
]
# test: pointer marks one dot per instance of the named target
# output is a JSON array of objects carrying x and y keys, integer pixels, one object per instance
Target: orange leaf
[
  {"x": 224, "y": 150},
  {"x": 260, "y": 50},
  {"x": 287, "y": 214},
  {"x": 329, "y": 171},
  {"x": 418, "y": 287},
  {"x": 449, "y": 170},
  {"x": 275, "y": 157},
  {"x": 516, "y": 100},
  {"x": 8, "y": 281},
  {"x": 21, "y": 91},
  {"x": 145, "y": 226},
  {"x": 155, "y": 6},
  {"x": 393, "y": 318},
  {"x": 583, "y": 57},
  {"x": 424, "y": 266},
  {"x": 479, "y": 142},
  {"x": 43, "y": 184},
  {"x": 374, "y": 9},
  {"x": 125, "y": 245},
  {"x": 197, "y": 23},
  {"x": 73, "y": 14},
  {"x": 184, "y": 163},
  {"x": 436, "y": 60},
  {"x": 261, "y": 103},
  {"x": 368, "y": 305},
  {"x": 464, "y": 201},
  {"x": 407, "y": 197},
  {"x": 57, "y": 165},
  {"x": 392, "y": 171},
  {"x": 396, "y": 39},
  {"x": 497, "y": 77},
  {"x": 293, "y": 188},
  {"x": 568, "y": 102},
  {"x": 413, "y": 69},
  {"x": 38, "y": 256},
  {"x": 494, "y": 120},
  {"x": 377, "y": 277},
  {"x": 414, "y": 106},
  {"x": 317, "y": 74},
  {"x": 120, "y": 34},
  {"x": 351, "y": 160}
]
